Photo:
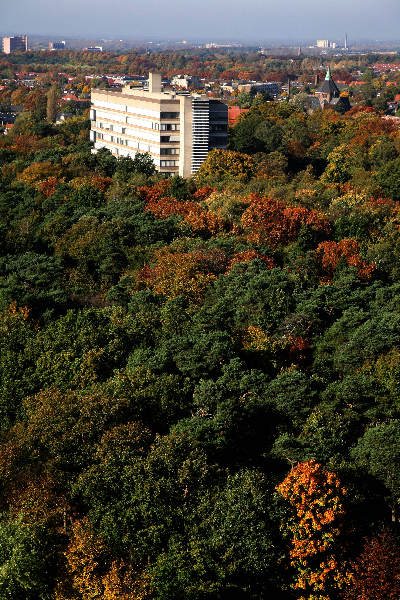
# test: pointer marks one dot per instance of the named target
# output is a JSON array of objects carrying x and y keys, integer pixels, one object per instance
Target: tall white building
[{"x": 177, "y": 131}]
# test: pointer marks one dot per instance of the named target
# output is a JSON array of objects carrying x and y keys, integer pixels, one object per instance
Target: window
[
  {"x": 101, "y": 125},
  {"x": 167, "y": 163},
  {"x": 164, "y": 138},
  {"x": 92, "y": 114},
  {"x": 169, "y": 115},
  {"x": 218, "y": 127},
  {"x": 169, "y": 127},
  {"x": 111, "y": 127},
  {"x": 169, "y": 150},
  {"x": 123, "y": 129}
]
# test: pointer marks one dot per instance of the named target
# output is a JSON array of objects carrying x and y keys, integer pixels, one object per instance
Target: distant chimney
[{"x": 155, "y": 83}]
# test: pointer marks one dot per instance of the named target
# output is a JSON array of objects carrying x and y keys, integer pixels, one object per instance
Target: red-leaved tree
[{"x": 376, "y": 570}]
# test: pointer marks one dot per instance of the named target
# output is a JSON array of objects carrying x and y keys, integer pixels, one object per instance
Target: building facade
[
  {"x": 186, "y": 82},
  {"x": 270, "y": 87},
  {"x": 177, "y": 131},
  {"x": 15, "y": 43},
  {"x": 57, "y": 45},
  {"x": 328, "y": 92}
]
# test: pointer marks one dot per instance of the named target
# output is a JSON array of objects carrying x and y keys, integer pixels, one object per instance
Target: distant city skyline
[{"x": 210, "y": 19}]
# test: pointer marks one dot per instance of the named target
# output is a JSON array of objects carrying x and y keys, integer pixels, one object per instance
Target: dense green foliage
[{"x": 169, "y": 349}]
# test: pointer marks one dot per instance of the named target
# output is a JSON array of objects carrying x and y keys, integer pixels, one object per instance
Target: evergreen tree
[{"x": 51, "y": 107}]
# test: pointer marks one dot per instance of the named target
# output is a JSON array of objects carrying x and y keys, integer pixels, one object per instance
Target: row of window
[
  {"x": 119, "y": 140},
  {"x": 130, "y": 143},
  {"x": 156, "y": 126},
  {"x": 167, "y": 163},
  {"x": 163, "y": 115},
  {"x": 169, "y": 150},
  {"x": 143, "y": 123},
  {"x": 165, "y": 126},
  {"x": 125, "y": 142},
  {"x": 169, "y": 115},
  {"x": 169, "y": 127}
]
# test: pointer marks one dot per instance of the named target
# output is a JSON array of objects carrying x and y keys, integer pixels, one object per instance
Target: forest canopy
[{"x": 200, "y": 378}]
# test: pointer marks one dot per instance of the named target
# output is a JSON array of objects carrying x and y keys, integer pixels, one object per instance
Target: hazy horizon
[{"x": 221, "y": 19}]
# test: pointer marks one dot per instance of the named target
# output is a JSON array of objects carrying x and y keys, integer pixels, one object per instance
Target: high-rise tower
[{"x": 15, "y": 43}]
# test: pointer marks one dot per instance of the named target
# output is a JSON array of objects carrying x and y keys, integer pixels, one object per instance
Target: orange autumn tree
[
  {"x": 150, "y": 193},
  {"x": 316, "y": 499},
  {"x": 167, "y": 206},
  {"x": 203, "y": 193},
  {"x": 48, "y": 186},
  {"x": 204, "y": 220},
  {"x": 26, "y": 143},
  {"x": 247, "y": 256},
  {"x": 267, "y": 220},
  {"x": 198, "y": 219},
  {"x": 330, "y": 253}
]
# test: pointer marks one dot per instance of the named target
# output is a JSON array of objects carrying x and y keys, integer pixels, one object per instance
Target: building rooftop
[{"x": 328, "y": 86}]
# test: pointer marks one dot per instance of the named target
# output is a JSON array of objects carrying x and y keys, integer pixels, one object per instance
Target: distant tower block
[
  {"x": 345, "y": 41},
  {"x": 16, "y": 43}
]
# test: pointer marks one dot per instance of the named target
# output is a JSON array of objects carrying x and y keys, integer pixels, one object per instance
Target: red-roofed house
[{"x": 234, "y": 113}]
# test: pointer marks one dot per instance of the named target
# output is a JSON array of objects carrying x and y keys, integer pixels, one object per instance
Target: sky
[{"x": 260, "y": 20}]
